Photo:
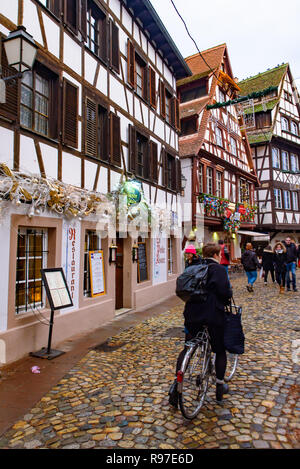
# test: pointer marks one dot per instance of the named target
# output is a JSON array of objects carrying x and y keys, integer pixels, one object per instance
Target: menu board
[
  {"x": 56, "y": 287},
  {"x": 97, "y": 273},
  {"x": 142, "y": 263}
]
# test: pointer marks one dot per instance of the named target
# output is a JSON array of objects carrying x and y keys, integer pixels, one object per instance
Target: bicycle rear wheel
[
  {"x": 194, "y": 377},
  {"x": 232, "y": 363}
]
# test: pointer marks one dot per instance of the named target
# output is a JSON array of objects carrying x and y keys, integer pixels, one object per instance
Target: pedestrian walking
[
  {"x": 291, "y": 261},
  {"x": 210, "y": 312},
  {"x": 280, "y": 265},
  {"x": 250, "y": 264},
  {"x": 268, "y": 263},
  {"x": 191, "y": 256},
  {"x": 225, "y": 257}
]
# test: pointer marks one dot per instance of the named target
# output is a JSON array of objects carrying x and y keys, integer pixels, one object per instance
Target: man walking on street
[{"x": 291, "y": 253}]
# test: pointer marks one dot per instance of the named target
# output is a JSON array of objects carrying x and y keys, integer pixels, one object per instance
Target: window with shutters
[
  {"x": 137, "y": 73},
  {"x": 152, "y": 87},
  {"x": 168, "y": 106},
  {"x": 154, "y": 161},
  {"x": 38, "y": 101},
  {"x": 96, "y": 134},
  {"x": 70, "y": 114},
  {"x": 96, "y": 30},
  {"x": 162, "y": 99}
]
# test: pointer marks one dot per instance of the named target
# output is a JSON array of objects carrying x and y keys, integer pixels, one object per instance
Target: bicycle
[{"x": 196, "y": 369}]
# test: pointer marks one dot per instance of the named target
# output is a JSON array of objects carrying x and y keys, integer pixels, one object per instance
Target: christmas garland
[{"x": 232, "y": 214}]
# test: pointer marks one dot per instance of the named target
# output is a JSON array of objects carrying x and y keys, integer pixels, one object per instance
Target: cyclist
[{"x": 211, "y": 313}]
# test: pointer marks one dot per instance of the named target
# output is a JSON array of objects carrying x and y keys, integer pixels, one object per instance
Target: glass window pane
[
  {"x": 25, "y": 117},
  {"x": 21, "y": 266},
  {"x": 26, "y": 96},
  {"x": 42, "y": 85},
  {"x": 27, "y": 78},
  {"x": 35, "y": 266}
]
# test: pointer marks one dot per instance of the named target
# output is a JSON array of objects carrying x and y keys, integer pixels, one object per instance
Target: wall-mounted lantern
[
  {"x": 113, "y": 253},
  {"x": 135, "y": 253},
  {"x": 20, "y": 50}
]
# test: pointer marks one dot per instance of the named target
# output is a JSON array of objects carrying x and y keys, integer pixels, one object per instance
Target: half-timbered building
[
  {"x": 97, "y": 110},
  {"x": 275, "y": 142},
  {"x": 215, "y": 153}
]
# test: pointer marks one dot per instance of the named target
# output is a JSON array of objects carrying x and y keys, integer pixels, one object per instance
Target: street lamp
[{"x": 20, "y": 50}]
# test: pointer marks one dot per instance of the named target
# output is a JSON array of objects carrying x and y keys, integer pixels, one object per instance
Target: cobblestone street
[{"x": 116, "y": 396}]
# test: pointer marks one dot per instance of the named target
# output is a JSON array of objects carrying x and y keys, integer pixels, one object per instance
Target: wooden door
[{"x": 119, "y": 274}]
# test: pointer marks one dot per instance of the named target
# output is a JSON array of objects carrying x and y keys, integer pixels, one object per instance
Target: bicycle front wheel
[
  {"x": 232, "y": 363},
  {"x": 194, "y": 376}
]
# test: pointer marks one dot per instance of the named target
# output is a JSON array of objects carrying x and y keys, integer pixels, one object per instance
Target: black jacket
[
  {"x": 291, "y": 252},
  {"x": 250, "y": 261},
  {"x": 268, "y": 259},
  {"x": 212, "y": 311},
  {"x": 196, "y": 260},
  {"x": 280, "y": 261}
]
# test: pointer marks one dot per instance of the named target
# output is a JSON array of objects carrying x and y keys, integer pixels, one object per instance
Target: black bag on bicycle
[
  {"x": 191, "y": 284},
  {"x": 234, "y": 339}
]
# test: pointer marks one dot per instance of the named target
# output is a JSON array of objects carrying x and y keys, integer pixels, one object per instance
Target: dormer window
[
  {"x": 189, "y": 126},
  {"x": 194, "y": 92}
]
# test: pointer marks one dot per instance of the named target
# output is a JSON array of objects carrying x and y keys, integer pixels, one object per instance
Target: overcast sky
[{"x": 259, "y": 34}]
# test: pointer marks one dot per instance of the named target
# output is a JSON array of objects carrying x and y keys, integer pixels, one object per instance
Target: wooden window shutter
[
  {"x": 56, "y": 8},
  {"x": 173, "y": 112},
  {"x": 91, "y": 128},
  {"x": 70, "y": 114},
  {"x": 178, "y": 175},
  {"x": 162, "y": 95},
  {"x": 173, "y": 175},
  {"x": 130, "y": 63},
  {"x": 152, "y": 87},
  {"x": 115, "y": 139},
  {"x": 145, "y": 83},
  {"x": 177, "y": 115},
  {"x": 83, "y": 19},
  {"x": 71, "y": 14},
  {"x": 9, "y": 109},
  {"x": 164, "y": 167},
  {"x": 104, "y": 152},
  {"x": 154, "y": 161},
  {"x": 147, "y": 161},
  {"x": 132, "y": 149},
  {"x": 114, "y": 50}
]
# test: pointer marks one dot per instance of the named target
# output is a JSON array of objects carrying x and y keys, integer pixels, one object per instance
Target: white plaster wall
[
  {"x": 102, "y": 181},
  {"x": 28, "y": 157},
  {"x": 72, "y": 54},
  {"x": 10, "y": 10},
  {"x": 7, "y": 147},
  {"x": 4, "y": 255},
  {"x": 102, "y": 80},
  {"x": 31, "y": 21},
  {"x": 117, "y": 92},
  {"x": 90, "y": 65},
  {"x": 115, "y": 6},
  {"x": 71, "y": 169},
  {"x": 50, "y": 159},
  {"x": 127, "y": 20},
  {"x": 89, "y": 175},
  {"x": 114, "y": 179},
  {"x": 52, "y": 34}
]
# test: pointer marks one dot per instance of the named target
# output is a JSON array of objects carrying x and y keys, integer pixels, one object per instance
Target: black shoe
[
  {"x": 220, "y": 390},
  {"x": 295, "y": 289},
  {"x": 288, "y": 289},
  {"x": 173, "y": 395}
]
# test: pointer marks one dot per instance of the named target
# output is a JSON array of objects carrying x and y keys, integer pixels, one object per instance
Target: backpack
[{"x": 191, "y": 284}]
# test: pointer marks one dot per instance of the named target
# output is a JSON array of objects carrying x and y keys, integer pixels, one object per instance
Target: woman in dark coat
[
  {"x": 280, "y": 260},
  {"x": 268, "y": 263},
  {"x": 210, "y": 313},
  {"x": 251, "y": 264}
]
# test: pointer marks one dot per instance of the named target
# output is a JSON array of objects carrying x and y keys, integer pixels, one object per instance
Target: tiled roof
[
  {"x": 189, "y": 145},
  {"x": 212, "y": 56},
  {"x": 263, "y": 80},
  {"x": 193, "y": 108}
]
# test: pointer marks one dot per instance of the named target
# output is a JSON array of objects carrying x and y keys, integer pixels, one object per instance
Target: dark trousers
[
  {"x": 280, "y": 277},
  {"x": 267, "y": 273}
]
